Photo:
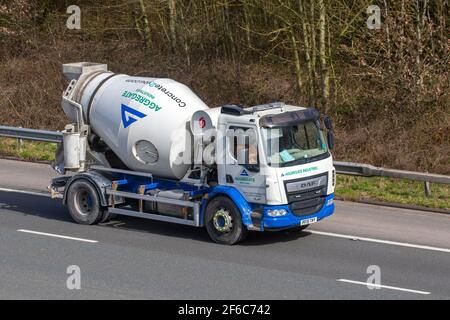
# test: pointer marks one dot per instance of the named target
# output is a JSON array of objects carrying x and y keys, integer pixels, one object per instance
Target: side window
[{"x": 243, "y": 145}]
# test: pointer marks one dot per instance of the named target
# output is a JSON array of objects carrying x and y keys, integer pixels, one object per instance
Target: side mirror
[
  {"x": 330, "y": 139},
  {"x": 330, "y": 134},
  {"x": 328, "y": 123}
]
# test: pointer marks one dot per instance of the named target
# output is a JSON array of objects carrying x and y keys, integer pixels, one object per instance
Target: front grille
[{"x": 306, "y": 196}]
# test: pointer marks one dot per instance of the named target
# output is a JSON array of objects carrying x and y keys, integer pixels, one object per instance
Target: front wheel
[
  {"x": 83, "y": 202},
  {"x": 224, "y": 222}
]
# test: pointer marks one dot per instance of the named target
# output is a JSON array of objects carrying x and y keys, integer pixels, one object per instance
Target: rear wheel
[
  {"x": 84, "y": 203},
  {"x": 224, "y": 222}
]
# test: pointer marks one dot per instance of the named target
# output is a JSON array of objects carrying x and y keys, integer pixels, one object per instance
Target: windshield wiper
[{"x": 305, "y": 160}]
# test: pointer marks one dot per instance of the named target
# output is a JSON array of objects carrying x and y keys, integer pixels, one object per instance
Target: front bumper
[{"x": 290, "y": 220}]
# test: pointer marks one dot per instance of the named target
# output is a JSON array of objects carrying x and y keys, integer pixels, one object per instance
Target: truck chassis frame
[{"x": 126, "y": 184}]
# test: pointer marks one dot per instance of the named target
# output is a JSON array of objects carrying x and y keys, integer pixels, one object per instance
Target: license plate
[{"x": 308, "y": 221}]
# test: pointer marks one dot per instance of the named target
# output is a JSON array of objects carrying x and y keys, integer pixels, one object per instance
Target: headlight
[
  {"x": 276, "y": 212},
  {"x": 330, "y": 202}
]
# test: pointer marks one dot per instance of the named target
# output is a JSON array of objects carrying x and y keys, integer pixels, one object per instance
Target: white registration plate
[{"x": 308, "y": 221}]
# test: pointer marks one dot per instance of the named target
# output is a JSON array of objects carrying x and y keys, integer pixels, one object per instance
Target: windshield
[{"x": 293, "y": 145}]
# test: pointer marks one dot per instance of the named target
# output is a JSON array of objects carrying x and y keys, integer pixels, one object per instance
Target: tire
[
  {"x": 106, "y": 216},
  {"x": 84, "y": 203},
  {"x": 224, "y": 222}
]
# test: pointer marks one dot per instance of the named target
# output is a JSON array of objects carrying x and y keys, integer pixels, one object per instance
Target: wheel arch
[
  {"x": 99, "y": 182},
  {"x": 234, "y": 195}
]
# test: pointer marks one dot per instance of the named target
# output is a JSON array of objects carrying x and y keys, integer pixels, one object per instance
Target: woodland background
[{"x": 387, "y": 89}]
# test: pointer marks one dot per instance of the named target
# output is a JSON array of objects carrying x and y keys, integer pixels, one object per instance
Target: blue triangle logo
[
  {"x": 244, "y": 173},
  {"x": 127, "y": 115}
]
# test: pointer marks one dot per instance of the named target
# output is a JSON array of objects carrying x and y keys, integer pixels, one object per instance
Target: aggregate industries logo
[
  {"x": 130, "y": 115},
  {"x": 289, "y": 173}
]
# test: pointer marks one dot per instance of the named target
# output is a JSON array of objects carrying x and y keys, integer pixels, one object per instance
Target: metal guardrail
[
  {"x": 367, "y": 170},
  {"x": 31, "y": 134},
  {"x": 348, "y": 168}
]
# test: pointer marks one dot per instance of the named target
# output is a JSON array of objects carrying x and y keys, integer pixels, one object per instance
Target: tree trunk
[
  {"x": 247, "y": 25},
  {"x": 388, "y": 35},
  {"x": 312, "y": 31},
  {"x": 308, "y": 54},
  {"x": 323, "y": 56},
  {"x": 298, "y": 71},
  {"x": 173, "y": 24},
  {"x": 185, "y": 40},
  {"x": 420, "y": 26},
  {"x": 146, "y": 27}
]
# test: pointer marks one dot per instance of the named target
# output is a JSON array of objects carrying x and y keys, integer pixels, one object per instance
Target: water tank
[{"x": 143, "y": 120}]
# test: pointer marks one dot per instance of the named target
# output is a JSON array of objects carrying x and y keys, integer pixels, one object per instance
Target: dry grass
[
  {"x": 372, "y": 125},
  {"x": 31, "y": 88}
]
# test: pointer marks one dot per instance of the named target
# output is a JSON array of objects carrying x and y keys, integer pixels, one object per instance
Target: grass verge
[
  {"x": 348, "y": 187},
  {"x": 392, "y": 190},
  {"x": 27, "y": 150}
]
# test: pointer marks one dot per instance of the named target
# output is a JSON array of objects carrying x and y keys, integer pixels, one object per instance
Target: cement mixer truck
[{"x": 151, "y": 148}]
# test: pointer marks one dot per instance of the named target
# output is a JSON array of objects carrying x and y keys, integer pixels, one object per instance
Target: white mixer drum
[{"x": 143, "y": 120}]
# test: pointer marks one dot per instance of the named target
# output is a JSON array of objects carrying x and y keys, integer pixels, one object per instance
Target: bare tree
[
  {"x": 308, "y": 35},
  {"x": 142, "y": 24},
  {"x": 323, "y": 56},
  {"x": 173, "y": 24}
]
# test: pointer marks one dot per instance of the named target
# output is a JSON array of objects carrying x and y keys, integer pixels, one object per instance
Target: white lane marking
[
  {"x": 56, "y": 236},
  {"x": 42, "y": 194},
  {"x": 394, "y": 243},
  {"x": 383, "y": 287},
  {"x": 402, "y": 244}
]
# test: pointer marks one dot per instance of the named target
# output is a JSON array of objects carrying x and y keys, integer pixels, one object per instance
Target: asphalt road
[{"x": 132, "y": 258}]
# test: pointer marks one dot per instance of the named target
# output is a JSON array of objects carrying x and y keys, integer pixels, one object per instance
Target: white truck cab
[{"x": 277, "y": 156}]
